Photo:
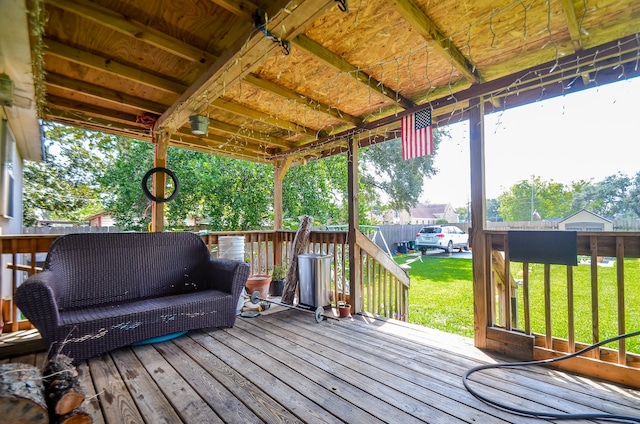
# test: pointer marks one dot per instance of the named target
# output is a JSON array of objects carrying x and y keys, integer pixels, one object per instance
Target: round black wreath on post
[{"x": 171, "y": 174}]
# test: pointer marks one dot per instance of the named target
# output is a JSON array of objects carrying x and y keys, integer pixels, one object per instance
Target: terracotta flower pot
[
  {"x": 344, "y": 310},
  {"x": 259, "y": 283}
]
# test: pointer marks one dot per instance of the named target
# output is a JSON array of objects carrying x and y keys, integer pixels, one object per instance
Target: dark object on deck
[
  {"x": 544, "y": 247},
  {"x": 99, "y": 292},
  {"x": 300, "y": 243},
  {"x": 61, "y": 386}
]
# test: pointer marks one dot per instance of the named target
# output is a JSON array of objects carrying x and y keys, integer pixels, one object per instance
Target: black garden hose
[{"x": 550, "y": 415}]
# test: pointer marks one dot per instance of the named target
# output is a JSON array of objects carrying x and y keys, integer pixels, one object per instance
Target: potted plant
[
  {"x": 278, "y": 274},
  {"x": 260, "y": 283}
]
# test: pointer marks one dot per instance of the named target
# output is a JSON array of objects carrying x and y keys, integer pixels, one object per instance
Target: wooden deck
[{"x": 285, "y": 367}]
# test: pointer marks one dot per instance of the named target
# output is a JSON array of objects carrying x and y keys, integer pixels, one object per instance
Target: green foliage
[
  {"x": 230, "y": 194},
  {"x": 493, "y": 212},
  {"x": 64, "y": 186},
  {"x": 616, "y": 195},
  {"x": 126, "y": 202},
  {"x": 383, "y": 169},
  {"x": 316, "y": 189},
  {"x": 526, "y": 198}
]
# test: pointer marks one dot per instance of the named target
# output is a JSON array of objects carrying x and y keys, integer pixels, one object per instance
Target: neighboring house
[
  {"x": 423, "y": 215},
  {"x": 102, "y": 219},
  {"x": 584, "y": 220},
  {"x": 430, "y": 213}
]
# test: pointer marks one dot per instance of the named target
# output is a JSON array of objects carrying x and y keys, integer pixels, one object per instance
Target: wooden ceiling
[{"x": 282, "y": 77}]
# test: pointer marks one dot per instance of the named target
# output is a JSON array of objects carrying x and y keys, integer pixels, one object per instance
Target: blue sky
[{"x": 581, "y": 136}]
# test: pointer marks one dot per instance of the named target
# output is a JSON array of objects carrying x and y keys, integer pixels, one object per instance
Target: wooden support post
[
  {"x": 161, "y": 145},
  {"x": 279, "y": 170},
  {"x": 481, "y": 288},
  {"x": 355, "y": 264}
]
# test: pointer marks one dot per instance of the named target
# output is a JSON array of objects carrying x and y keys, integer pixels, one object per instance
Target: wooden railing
[
  {"x": 383, "y": 285},
  {"x": 543, "y": 311}
]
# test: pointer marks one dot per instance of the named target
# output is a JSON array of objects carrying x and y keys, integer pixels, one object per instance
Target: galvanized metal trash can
[{"x": 314, "y": 271}]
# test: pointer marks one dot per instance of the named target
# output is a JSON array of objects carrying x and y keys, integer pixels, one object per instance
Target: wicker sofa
[{"x": 98, "y": 292}]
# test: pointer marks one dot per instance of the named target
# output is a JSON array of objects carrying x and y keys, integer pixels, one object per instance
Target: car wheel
[
  {"x": 466, "y": 247},
  {"x": 450, "y": 247}
]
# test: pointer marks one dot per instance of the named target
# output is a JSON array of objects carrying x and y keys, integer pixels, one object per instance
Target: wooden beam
[
  {"x": 302, "y": 99},
  {"x": 572, "y": 23},
  {"x": 335, "y": 61},
  {"x": 242, "y": 8},
  {"x": 102, "y": 93},
  {"x": 248, "y": 134},
  {"x": 481, "y": 255},
  {"x": 260, "y": 116},
  {"x": 247, "y": 53},
  {"x": 280, "y": 168},
  {"x": 222, "y": 143},
  {"x": 205, "y": 147},
  {"x": 430, "y": 31},
  {"x": 161, "y": 145},
  {"x": 111, "y": 67},
  {"x": 94, "y": 111},
  {"x": 138, "y": 135},
  {"x": 129, "y": 26},
  {"x": 355, "y": 263},
  {"x": 74, "y": 116}
]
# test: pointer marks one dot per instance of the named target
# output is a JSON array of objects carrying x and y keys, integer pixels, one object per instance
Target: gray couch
[{"x": 98, "y": 292}]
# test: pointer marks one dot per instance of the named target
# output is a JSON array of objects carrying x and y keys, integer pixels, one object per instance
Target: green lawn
[{"x": 441, "y": 296}]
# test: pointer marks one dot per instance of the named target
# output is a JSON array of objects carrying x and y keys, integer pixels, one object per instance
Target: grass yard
[
  {"x": 441, "y": 296},
  {"x": 441, "y": 293}
]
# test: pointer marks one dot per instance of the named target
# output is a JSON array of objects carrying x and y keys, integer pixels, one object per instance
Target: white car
[{"x": 446, "y": 237}]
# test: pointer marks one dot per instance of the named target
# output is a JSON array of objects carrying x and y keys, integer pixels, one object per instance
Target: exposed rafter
[
  {"x": 129, "y": 26},
  {"x": 292, "y": 95},
  {"x": 237, "y": 62},
  {"x": 429, "y": 30},
  {"x": 98, "y": 92},
  {"x": 242, "y": 8},
  {"x": 572, "y": 23},
  {"x": 260, "y": 116},
  {"x": 94, "y": 111},
  {"x": 335, "y": 61},
  {"x": 249, "y": 135},
  {"x": 111, "y": 67}
]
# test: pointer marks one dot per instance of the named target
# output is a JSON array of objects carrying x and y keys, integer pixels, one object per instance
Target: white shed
[{"x": 584, "y": 220}]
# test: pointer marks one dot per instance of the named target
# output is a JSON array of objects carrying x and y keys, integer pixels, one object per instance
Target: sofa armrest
[
  {"x": 37, "y": 300},
  {"x": 227, "y": 275}
]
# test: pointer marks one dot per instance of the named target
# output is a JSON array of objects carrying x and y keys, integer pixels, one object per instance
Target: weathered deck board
[{"x": 285, "y": 368}]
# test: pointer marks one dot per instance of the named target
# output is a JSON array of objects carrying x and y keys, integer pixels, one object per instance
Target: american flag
[{"x": 417, "y": 138}]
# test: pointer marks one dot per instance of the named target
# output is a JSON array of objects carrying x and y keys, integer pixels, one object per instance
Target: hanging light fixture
[{"x": 199, "y": 124}]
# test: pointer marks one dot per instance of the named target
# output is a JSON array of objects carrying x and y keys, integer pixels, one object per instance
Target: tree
[
  {"x": 493, "y": 212},
  {"x": 230, "y": 194},
  {"x": 534, "y": 200},
  {"x": 615, "y": 195},
  {"x": 400, "y": 181},
  {"x": 64, "y": 186}
]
